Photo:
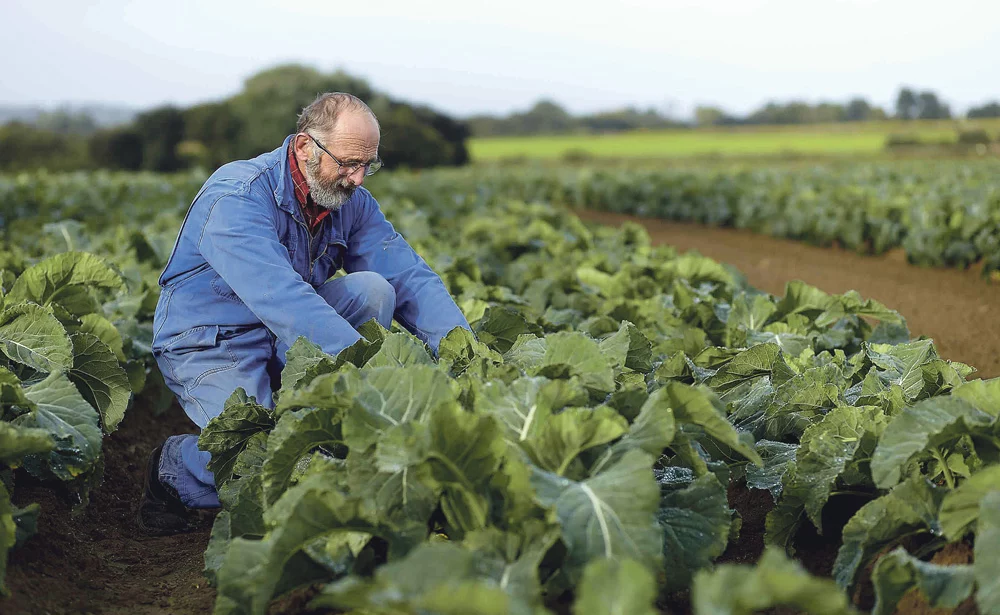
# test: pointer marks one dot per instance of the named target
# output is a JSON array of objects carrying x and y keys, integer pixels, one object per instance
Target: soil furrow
[{"x": 957, "y": 309}]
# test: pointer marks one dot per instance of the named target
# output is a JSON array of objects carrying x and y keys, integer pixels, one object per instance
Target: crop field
[
  {"x": 862, "y": 138},
  {"x": 940, "y": 213},
  {"x": 631, "y": 429}
]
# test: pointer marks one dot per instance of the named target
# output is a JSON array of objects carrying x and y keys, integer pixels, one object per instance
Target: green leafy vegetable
[
  {"x": 774, "y": 581},
  {"x": 898, "y": 572},
  {"x": 610, "y": 587}
]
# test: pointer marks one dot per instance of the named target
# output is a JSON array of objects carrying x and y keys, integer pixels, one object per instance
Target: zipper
[
  {"x": 313, "y": 261},
  {"x": 309, "y": 244},
  {"x": 309, "y": 251},
  {"x": 318, "y": 256}
]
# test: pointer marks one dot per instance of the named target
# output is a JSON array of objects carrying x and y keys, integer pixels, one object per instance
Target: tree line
[
  {"x": 547, "y": 117},
  {"x": 257, "y": 118},
  {"x": 253, "y": 121}
]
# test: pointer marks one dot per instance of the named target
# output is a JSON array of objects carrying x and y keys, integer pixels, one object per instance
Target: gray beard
[
  {"x": 326, "y": 198},
  {"x": 330, "y": 196}
]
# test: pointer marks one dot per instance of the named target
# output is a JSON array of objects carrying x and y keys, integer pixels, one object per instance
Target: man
[{"x": 249, "y": 275}]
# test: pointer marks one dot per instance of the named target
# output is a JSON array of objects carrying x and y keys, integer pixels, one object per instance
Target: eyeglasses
[{"x": 347, "y": 169}]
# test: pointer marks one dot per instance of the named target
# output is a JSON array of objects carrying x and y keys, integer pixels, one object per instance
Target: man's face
[{"x": 354, "y": 140}]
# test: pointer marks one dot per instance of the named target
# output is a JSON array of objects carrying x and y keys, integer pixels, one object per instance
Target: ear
[{"x": 302, "y": 146}]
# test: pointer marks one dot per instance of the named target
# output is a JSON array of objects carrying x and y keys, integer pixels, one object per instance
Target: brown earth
[
  {"x": 96, "y": 562},
  {"x": 958, "y": 309},
  {"x": 914, "y": 603}
]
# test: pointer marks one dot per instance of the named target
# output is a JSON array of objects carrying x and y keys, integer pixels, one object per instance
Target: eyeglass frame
[{"x": 370, "y": 167}]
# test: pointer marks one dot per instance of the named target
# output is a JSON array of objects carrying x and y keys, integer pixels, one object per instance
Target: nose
[{"x": 360, "y": 174}]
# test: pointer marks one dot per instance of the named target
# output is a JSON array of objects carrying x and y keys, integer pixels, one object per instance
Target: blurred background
[{"x": 166, "y": 87}]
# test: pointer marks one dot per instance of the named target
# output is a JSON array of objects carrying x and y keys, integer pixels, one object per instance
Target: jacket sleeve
[
  {"x": 240, "y": 241},
  {"x": 423, "y": 305}
]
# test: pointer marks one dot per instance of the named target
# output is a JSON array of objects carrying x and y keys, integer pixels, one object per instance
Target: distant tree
[
  {"x": 930, "y": 108},
  {"x": 878, "y": 113},
  {"x": 991, "y": 109},
  {"x": 161, "y": 130},
  {"x": 116, "y": 148},
  {"x": 629, "y": 118},
  {"x": 711, "y": 116},
  {"x": 408, "y": 142},
  {"x": 64, "y": 122},
  {"x": 768, "y": 114},
  {"x": 454, "y": 132},
  {"x": 271, "y": 101},
  {"x": 857, "y": 110},
  {"x": 488, "y": 126},
  {"x": 546, "y": 117},
  {"x": 907, "y": 106},
  {"x": 23, "y": 146},
  {"x": 611, "y": 121},
  {"x": 826, "y": 113},
  {"x": 797, "y": 112},
  {"x": 860, "y": 110},
  {"x": 217, "y": 128},
  {"x": 267, "y": 109}
]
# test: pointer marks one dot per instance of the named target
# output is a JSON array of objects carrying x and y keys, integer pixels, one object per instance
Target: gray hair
[{"x": 322, "y": 114}]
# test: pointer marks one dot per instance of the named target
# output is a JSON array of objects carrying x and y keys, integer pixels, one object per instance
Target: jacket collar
[{"x": 284, "y": 191}]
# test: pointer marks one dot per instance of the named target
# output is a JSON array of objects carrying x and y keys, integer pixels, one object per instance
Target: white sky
[{"x": 464, "y": 56}]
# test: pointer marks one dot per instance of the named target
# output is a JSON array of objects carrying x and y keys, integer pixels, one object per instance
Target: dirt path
[
  {"x": 96, "y": 562},
  {"x": 958, "y": 309}
]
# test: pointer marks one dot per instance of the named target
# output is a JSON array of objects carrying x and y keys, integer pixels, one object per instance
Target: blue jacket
[{"x": 244, "y": 257}]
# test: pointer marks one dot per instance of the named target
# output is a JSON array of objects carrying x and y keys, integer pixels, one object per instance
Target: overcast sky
[{"x": 465, "y": 57}]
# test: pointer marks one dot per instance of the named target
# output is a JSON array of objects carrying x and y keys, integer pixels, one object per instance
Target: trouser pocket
[{"x": 204, "y": 375}]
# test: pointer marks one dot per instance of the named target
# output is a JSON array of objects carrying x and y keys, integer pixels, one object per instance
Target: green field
[
  {"x": 620, "y": 421},
  {"x": 832, "y": 139}
]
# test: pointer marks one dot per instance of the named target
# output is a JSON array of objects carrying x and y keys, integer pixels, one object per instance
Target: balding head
[{"x": 323, "y": 114}]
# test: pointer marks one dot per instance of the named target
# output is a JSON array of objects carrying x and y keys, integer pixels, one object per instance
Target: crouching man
[{"x": 249, "y": 275}]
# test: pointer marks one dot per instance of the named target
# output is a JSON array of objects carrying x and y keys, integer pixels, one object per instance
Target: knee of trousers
[
  {"x": 380, "y": 298},
  {"x": 368, "y": 293}
]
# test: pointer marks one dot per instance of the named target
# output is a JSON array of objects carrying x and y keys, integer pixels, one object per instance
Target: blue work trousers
[{"x": 204, "y": 367}]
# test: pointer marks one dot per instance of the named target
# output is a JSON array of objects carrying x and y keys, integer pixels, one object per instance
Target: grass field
[{"x": 866, "y": 138}]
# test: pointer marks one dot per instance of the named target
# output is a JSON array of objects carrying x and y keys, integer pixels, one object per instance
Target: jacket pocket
[
  {"x": 224, "y": 290},
  {"x": 195, "y": 354}
]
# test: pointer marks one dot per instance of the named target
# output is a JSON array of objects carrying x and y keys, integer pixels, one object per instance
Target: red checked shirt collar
[{"x": 312, "y": 212}]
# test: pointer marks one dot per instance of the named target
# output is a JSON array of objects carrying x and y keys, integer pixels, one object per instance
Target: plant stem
[{"x": 949, "y": 478}]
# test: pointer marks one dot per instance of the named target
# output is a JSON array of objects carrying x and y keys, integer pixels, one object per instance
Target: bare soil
[
  {"x": 958, "y": 309},
  {"x": 95, "y": 562}
]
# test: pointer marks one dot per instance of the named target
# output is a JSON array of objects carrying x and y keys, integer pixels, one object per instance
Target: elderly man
[{"x": 250, "y": 273}]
